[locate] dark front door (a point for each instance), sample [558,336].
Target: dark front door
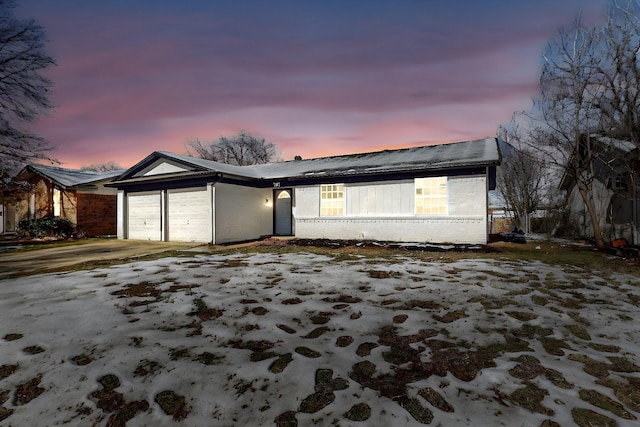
[282,215]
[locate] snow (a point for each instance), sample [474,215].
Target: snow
[77,313]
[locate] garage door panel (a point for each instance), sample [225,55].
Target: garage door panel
[144,216]
[189,216]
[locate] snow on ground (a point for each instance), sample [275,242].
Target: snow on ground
[280,339]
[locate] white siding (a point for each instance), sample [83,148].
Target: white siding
[385,211]
[380,199]
[144,218]
[189,215]
[241,213]
[161,167]
[121,211]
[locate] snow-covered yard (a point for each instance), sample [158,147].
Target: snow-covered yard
[305,339]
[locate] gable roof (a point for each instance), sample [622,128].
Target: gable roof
[66,178]
[478,153]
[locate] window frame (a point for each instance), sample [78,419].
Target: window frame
[436,204]
[327,208]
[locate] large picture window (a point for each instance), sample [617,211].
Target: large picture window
[431,196]
[332,200]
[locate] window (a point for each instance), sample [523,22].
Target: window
[332,200]
[618,183]
[57,202]
[431,196]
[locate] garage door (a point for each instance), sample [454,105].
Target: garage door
[189,216]
[144,216]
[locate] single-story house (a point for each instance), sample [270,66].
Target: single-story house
[435,193]
[616,194]
[80,196]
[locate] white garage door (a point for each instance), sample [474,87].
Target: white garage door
[189,215]
[144,216]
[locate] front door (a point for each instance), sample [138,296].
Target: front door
[282,213]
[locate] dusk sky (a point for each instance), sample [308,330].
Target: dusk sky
[315,78]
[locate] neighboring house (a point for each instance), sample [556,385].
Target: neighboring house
[77,195]
[435,193]
[616,197]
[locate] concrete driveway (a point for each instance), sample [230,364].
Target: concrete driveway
[52,258]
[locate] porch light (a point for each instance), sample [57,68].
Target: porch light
[267,203]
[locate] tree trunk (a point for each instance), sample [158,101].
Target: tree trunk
[587,198]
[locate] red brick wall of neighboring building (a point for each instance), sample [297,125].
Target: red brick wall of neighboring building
[96,214]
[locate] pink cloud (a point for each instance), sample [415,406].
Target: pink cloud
[135,79]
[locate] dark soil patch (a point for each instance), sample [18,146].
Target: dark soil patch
[530,397]
[319,320]
[604,347]
[291,301]
[6,370]
[382,274]
[287,329]
[143,289]
[207,358]
[435,399]
[255,346]
[588,418]
[108,400]
[5,413]
[554,346]
[315,402]
[109,382]
[12,337]
[126,413]
[530,368]
[248,301]
[591,366]
[172,404]
[82,359]
[259,311]
[400,318]
[579,332]
[358,412]
[232,263]
[179,353]
[425,304]
[604,402]
[259,356]
[346,299]
[286,419]
[417,411]
[344,341]
[492,304]
[33,349]
[451,316]
[281,363]
[522,316]
[326,383]
[307,352]
[146,368]
[365,348]
[203,312]
[28,391]
[627,392]
[317,332]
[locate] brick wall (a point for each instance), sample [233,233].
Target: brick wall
[96,214]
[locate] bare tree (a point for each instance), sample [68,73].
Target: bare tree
[242,149]
[619,97]
[24,91]
[523,177]
[111,165]
[571,121]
